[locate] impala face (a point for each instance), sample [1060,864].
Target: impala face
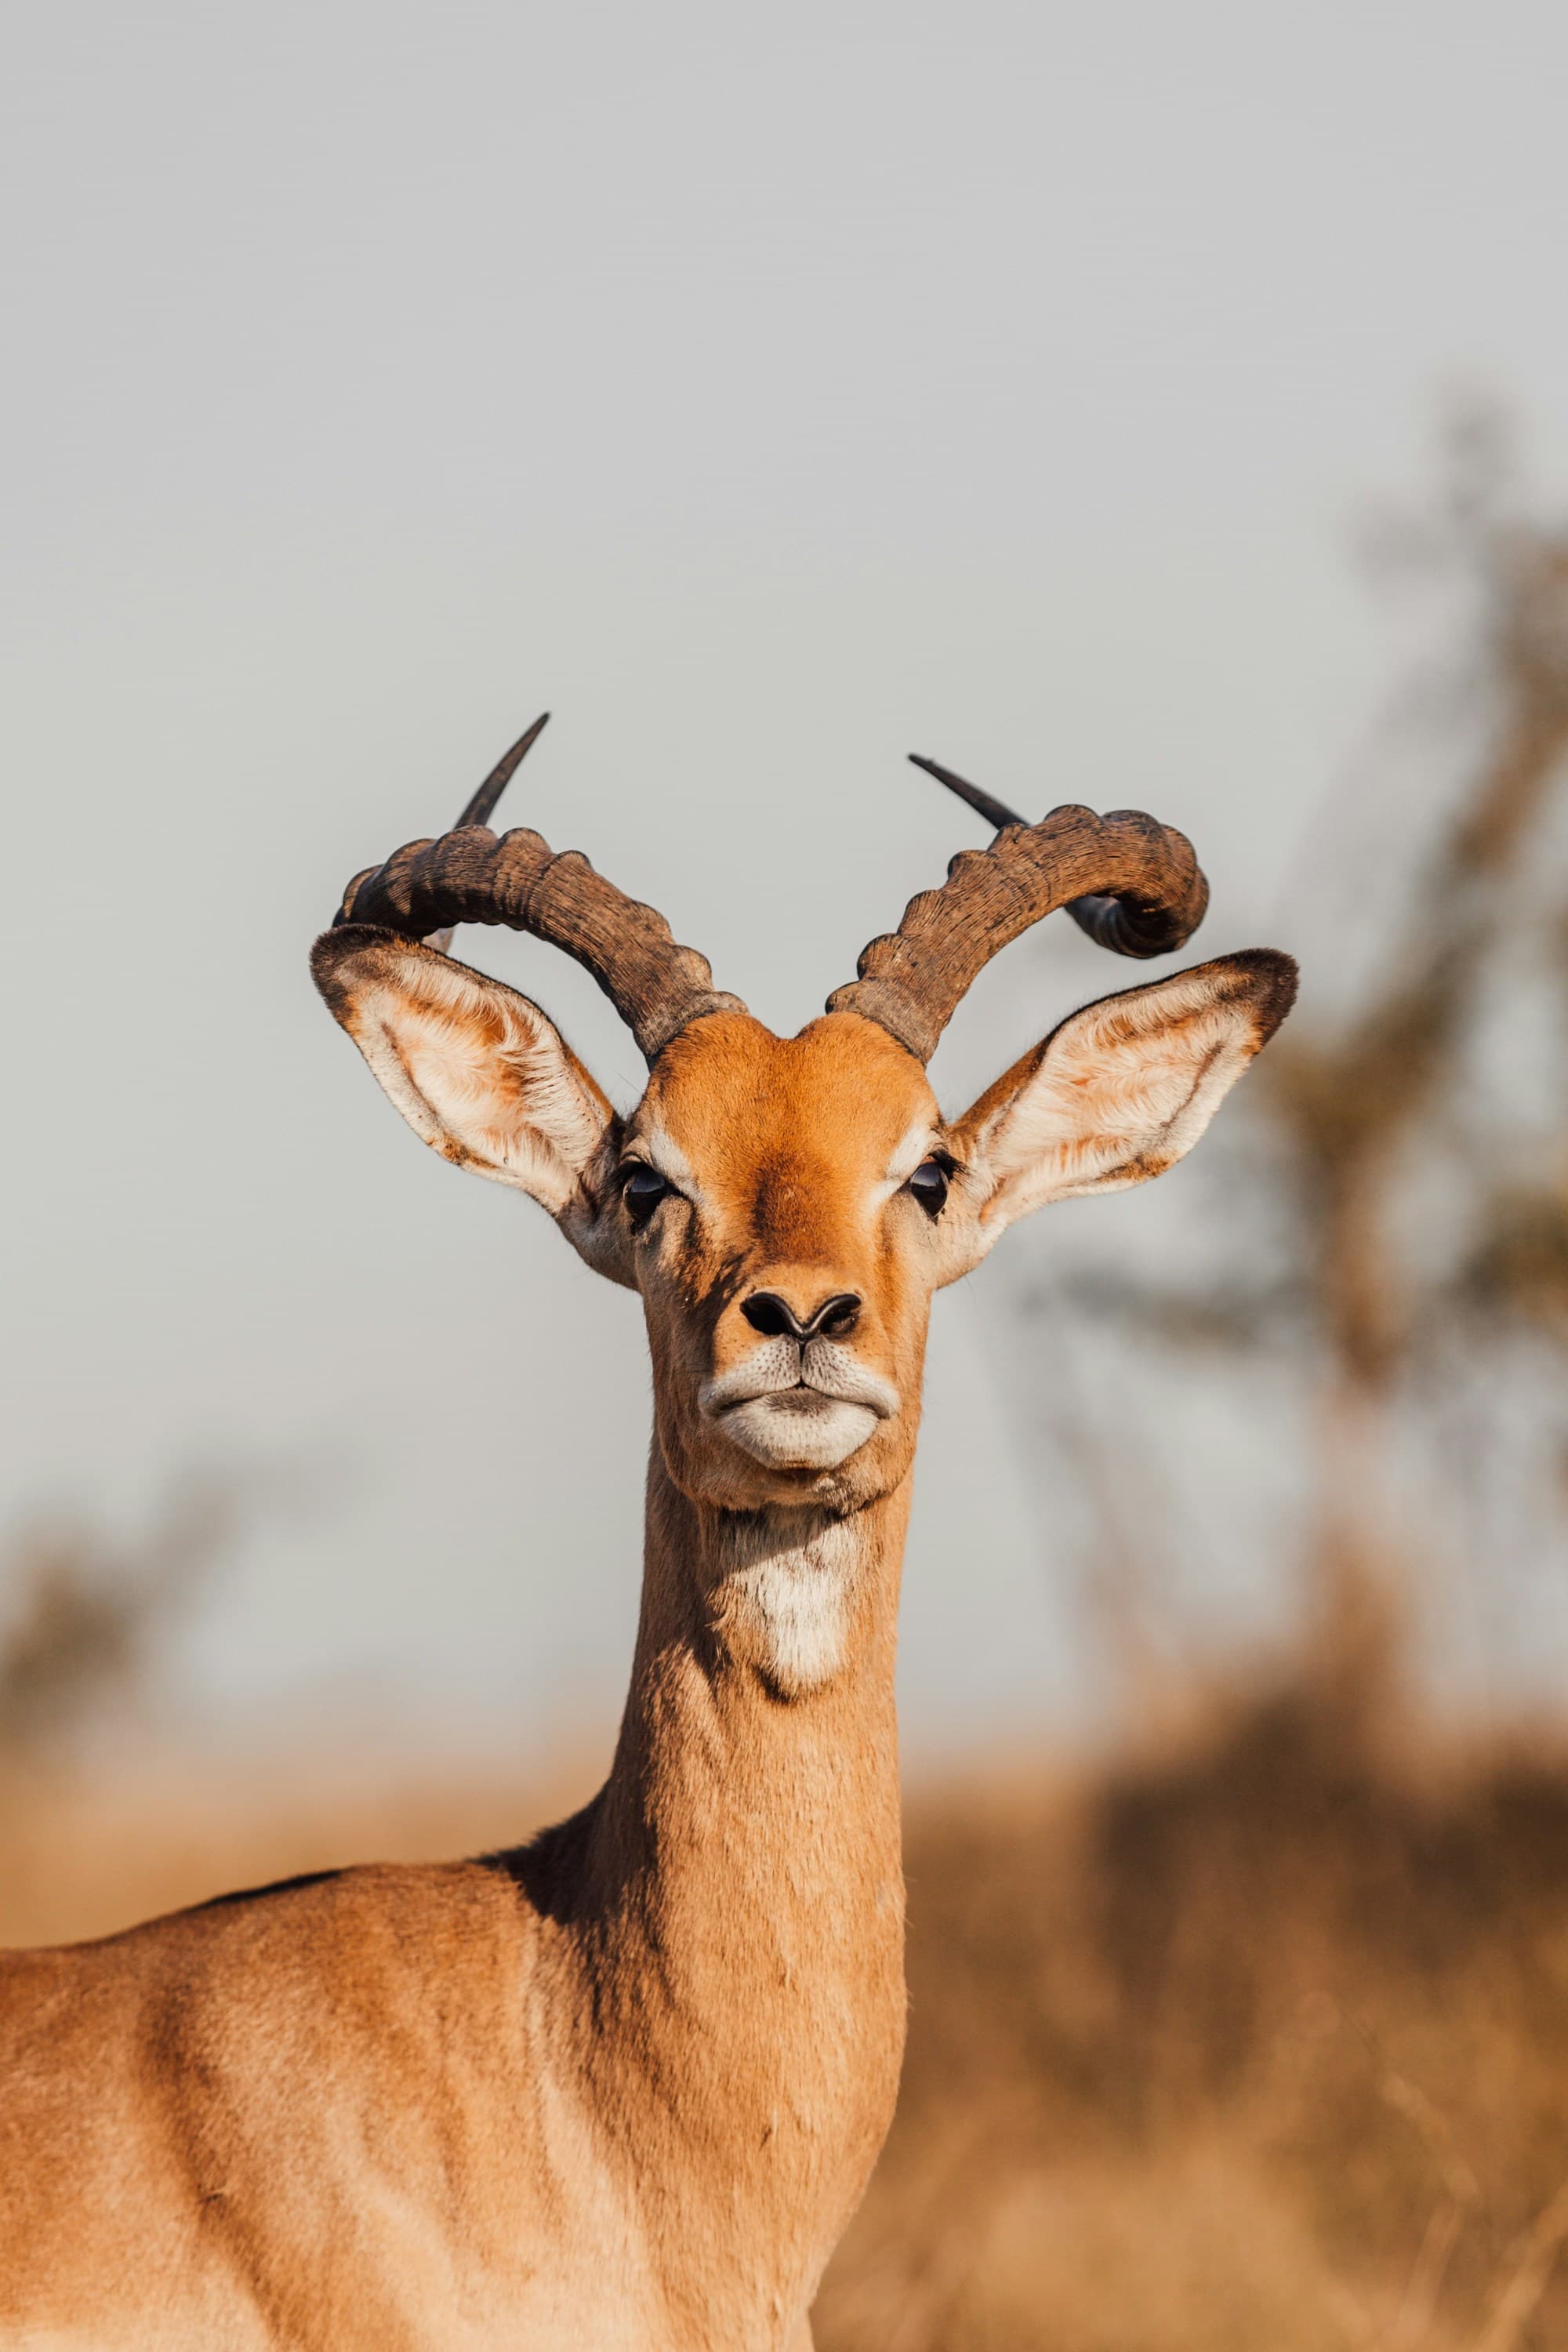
[786,1206]
[783,1203]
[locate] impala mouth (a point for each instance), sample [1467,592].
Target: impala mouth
[793,1408]
[798,1429]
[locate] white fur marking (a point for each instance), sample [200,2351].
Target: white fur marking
[791,1600]
[664,1153]
[910,1151]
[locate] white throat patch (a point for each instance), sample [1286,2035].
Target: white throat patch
[787,1603]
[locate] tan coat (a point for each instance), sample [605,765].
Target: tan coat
[619,2088]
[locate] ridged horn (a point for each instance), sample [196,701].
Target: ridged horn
[1131,883]
[469,876]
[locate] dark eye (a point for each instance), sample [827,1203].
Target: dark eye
[928,1185]
[642,1190]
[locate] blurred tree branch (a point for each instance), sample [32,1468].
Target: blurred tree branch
[1367,1115]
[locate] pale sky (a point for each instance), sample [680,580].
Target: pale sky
[768,394]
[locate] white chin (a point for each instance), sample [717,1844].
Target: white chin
[783,1435]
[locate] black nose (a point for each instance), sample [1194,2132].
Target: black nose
[775,1318]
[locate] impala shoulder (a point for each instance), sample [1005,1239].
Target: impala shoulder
[378,1964]
[399,1914]
[350,1948]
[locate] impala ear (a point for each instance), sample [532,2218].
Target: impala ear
[479,1073]
[1122,1089]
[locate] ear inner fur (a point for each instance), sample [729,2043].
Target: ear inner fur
[1124,1088]
[477,1070]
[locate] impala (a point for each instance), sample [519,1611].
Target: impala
[621,2087]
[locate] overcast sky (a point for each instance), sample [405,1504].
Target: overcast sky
[769,392]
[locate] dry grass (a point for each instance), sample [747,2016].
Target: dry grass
[1260,2044]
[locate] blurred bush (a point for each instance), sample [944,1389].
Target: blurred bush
[85,1612]
[1258,2041]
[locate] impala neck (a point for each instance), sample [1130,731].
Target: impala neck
[731,1903]
[761,1724]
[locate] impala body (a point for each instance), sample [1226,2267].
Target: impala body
[621,2087]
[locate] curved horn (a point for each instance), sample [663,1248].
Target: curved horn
[482,806]
[468,875]
[1131,883]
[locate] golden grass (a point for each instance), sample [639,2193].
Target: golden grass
[1256,2044]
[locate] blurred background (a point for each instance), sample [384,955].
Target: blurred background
[1141,406]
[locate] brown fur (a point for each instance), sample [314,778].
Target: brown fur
[621,2087]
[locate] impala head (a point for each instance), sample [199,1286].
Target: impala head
[786,1206]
